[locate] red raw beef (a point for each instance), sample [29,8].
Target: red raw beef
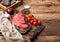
[24,26]
[18,20]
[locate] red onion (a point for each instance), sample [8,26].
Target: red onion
[10,11]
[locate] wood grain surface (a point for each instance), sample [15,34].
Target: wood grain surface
[49,12]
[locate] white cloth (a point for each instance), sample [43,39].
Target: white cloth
[5,25]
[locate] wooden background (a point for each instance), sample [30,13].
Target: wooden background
[49,12]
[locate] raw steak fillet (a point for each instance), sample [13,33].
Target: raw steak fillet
[19,21]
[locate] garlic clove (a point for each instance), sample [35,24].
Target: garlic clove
[6,15]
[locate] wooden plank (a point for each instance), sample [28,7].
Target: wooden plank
[47,16]
[51,23]
[52,28]
[48,39]
[40,2]
[41,39]
[50,20]
[42,9]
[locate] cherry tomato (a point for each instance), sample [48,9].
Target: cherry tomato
[32,18]
[31,15]
[34,23]
[39,22]
[31,21]
[35,20]
[28,18]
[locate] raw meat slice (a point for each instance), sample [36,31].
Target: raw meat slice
[23,26]
[19,21]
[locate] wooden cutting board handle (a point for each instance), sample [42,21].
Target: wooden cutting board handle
[3,7]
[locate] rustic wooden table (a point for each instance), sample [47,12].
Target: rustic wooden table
[49,12]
